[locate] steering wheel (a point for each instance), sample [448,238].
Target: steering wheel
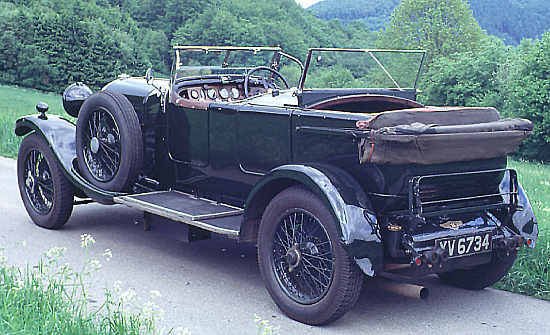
[263,81]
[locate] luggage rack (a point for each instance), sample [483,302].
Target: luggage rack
[430,208]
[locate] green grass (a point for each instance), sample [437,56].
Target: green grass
[530,275]
[52,298]
[16,102]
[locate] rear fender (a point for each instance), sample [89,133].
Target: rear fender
[60,134]
[523,220]
[343,197]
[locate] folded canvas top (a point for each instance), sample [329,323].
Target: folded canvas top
[441,135]
[441,116]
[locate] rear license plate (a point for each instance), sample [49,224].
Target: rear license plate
[466,245]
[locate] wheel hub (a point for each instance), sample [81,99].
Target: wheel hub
[94,145]
[111,138]
[293,257]
[29,181]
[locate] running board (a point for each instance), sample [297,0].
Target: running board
[186,208]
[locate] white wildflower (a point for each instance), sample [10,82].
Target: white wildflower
[155,294]
[108,254]
[264,328]
[128,296]
[18,284]
[94,265]
[86,240]
[117,286]
[152,310]
[181,331]
[55,252]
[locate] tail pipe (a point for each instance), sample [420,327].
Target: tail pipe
[406,290]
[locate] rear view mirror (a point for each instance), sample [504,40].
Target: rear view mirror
[149,75]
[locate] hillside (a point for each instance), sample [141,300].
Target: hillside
[516,19]
[48,44]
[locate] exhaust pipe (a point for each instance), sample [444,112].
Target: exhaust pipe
[406,290]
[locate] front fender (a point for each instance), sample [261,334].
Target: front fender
[60,134]
[347,202]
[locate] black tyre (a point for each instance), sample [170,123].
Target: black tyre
[46,192]
[109,141]
[306,270]
[481,276]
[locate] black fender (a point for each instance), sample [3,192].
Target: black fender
[342,195]
[60,134]
[523,221]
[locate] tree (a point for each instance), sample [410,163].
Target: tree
[528,96]
[468,78]
[442,27]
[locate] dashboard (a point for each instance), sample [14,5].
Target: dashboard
[199,96]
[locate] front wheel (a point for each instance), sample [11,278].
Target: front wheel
[481,276]
[46,192]
[306,270]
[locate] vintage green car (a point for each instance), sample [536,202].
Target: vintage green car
[333,183]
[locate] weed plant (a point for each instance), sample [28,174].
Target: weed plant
[530,274]
[52,298]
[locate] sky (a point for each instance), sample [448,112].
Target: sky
[307,3]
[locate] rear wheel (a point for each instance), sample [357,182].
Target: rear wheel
[481,276]
[306,270]
[46,192]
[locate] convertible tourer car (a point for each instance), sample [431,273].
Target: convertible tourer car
[331,166]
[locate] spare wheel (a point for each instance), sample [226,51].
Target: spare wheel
[109,143]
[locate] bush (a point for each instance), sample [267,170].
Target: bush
[528,96]
[48,48]
[467,79]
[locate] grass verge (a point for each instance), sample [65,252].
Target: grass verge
[16,102]
[53,298]
[530,274]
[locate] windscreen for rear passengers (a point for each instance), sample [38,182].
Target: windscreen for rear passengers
[363,68]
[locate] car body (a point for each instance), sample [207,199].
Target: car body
[400,190]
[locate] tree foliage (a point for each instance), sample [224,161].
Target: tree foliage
[48,44]
[442,27]
[510,20]
[470,78]
[528,95]
[374,13]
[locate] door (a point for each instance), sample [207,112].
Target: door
[263,138]
[188,135]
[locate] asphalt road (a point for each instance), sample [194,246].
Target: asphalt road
[214,286]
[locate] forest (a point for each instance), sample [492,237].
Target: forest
[510,20]
[48,44]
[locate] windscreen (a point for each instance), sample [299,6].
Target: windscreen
[204,62]
[353,68]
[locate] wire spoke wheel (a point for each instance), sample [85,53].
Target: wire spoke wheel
[306,269]
[101,145]
[38,182]
[45,191]
[303,258]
